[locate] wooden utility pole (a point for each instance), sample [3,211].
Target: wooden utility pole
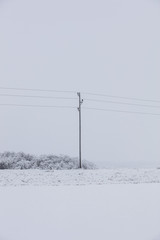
[80,130]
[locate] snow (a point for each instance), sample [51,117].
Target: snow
[21,160]
[81,212]
[78,177]
[80,204]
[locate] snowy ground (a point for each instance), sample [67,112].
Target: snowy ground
[78,177]
[82,212]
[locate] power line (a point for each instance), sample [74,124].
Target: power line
[121,103]
[36,90]
[71,107]
[31,96]
[121,111]
[86,99]
[35,106]
[121,97]
[87,93]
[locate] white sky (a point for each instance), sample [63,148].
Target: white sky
[110,47]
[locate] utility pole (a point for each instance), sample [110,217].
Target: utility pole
[80,131]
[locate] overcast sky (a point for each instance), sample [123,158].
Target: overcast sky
[107,47]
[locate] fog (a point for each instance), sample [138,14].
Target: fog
[105,47]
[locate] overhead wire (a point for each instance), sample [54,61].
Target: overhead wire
[36,90]
[73,98]
[70,98]
[34,106]
[86,93]
[121,97]
[121,111]
[121,103]
[36,96]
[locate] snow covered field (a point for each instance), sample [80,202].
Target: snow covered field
[81,211]
[78,177]
[123,212]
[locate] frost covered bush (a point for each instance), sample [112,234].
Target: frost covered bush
[12,160]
